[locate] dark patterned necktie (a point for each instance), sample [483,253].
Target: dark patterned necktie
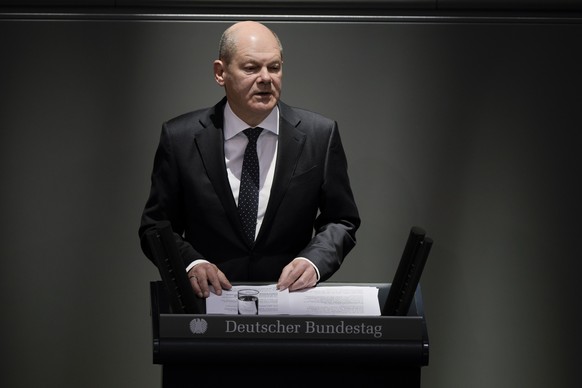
[248,196]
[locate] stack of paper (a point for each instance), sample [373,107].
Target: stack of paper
[321,300]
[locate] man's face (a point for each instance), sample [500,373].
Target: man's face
[253,78]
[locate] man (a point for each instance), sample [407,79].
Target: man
[303,183]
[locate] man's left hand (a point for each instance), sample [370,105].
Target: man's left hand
[297,275]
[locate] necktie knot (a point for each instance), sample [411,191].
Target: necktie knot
[253,134]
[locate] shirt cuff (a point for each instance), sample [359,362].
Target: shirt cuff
[194,263]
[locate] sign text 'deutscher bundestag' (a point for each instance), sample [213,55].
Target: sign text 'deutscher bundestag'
[296,327]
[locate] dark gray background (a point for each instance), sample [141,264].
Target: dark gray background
[468,129]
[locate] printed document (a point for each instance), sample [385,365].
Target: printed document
[320,300]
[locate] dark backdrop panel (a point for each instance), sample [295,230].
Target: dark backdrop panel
[469,129]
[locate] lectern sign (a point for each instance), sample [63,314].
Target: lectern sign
[297,327]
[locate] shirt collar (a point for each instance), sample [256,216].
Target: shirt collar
[233,125]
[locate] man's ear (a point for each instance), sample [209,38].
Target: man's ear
[219,68]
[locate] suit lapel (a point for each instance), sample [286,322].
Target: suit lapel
[210,144]
[291,142]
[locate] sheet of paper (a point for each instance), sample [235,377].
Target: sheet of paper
[321,300]
[337,300]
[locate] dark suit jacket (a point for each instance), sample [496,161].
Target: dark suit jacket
[311,192]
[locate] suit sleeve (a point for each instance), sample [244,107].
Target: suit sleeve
[164,201]
[338,221]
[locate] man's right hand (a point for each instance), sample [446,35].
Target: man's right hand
[204,274]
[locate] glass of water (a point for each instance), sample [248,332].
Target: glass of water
[248,301]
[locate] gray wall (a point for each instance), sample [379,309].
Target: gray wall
[470,130]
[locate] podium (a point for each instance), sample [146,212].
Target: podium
[199,350]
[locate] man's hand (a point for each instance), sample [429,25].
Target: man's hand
[203,274]
[297,275]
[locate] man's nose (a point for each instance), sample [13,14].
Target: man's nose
[265,76]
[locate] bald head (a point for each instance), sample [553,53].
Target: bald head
[244,31]
[250,69]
